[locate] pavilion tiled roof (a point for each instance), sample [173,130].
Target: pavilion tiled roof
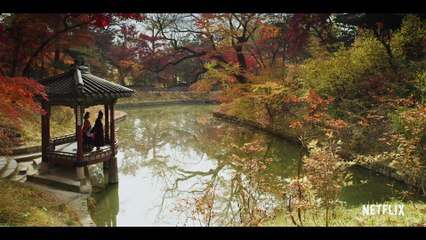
[78,83]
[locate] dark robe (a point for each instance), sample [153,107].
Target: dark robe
[99,133]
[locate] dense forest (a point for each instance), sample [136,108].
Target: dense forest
[349,88]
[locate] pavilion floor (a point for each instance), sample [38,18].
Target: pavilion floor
[72,147]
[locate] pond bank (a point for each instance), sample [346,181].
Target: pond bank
[163,103]
[256,126]
[418,182]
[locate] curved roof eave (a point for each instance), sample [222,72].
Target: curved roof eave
[78,85]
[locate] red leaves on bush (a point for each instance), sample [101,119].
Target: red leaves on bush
[314,106]
[18,99]
[149,38]
[134,16]
[102,20]
[295,124]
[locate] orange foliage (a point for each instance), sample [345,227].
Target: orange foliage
[295,124]
[315,108]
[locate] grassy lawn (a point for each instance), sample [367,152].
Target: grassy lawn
[22,205]
[414,215]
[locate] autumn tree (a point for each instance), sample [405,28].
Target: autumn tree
[17,104]
[32,45]
[121,53]
[268,45]
[219,37]
[32,37]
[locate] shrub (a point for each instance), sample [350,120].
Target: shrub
[351,73]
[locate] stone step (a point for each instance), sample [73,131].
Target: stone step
[62,178]
[22,168]
[9,169]
[33,167]
[56,182]
[19,178]
[31,171]
[27,157]
[28,168]
[26,150]
[3,163]
[37,163]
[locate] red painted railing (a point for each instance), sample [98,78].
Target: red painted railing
[70,159]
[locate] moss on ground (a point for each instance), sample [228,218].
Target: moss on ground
[22,205]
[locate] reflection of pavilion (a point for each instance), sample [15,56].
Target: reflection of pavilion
[107,207]
[79,89]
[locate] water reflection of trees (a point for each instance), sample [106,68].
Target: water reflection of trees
[194,155]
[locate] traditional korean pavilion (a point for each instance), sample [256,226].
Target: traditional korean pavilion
[79,89]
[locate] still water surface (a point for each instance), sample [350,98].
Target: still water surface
[171,157]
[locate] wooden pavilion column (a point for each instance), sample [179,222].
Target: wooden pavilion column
[45,137]
[106,110]
[107,140]
[79,111]
[113,168]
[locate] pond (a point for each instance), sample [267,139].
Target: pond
[181,166]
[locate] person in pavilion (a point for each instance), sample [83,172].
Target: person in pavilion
[98,131]
[87,135]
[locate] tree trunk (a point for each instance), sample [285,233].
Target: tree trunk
[242,62]
[42,66]
[121,78]
[387,47]
[57,54]
[15,61]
